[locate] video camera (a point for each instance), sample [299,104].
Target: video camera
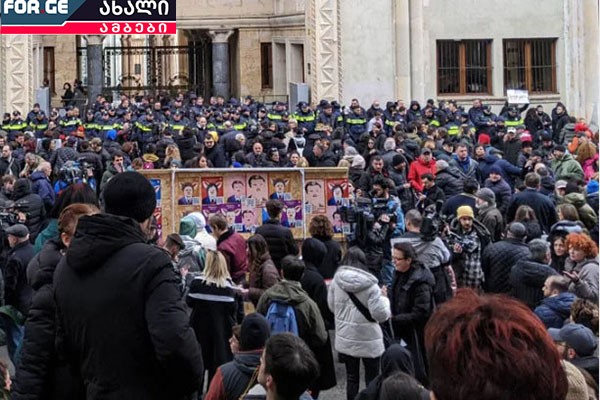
[434,222]
[362,215]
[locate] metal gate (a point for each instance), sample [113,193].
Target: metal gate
[151,70]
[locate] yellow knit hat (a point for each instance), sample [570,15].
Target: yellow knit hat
[464,211]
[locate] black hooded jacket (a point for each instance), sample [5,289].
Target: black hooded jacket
[41,373]
[31,205]
[121,320]
[395,359]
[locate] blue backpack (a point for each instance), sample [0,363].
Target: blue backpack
[282,318]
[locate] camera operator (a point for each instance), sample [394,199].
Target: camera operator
[389,223]
[431,252]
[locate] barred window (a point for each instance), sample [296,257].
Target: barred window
[530,64]
[464,67]
[266,65]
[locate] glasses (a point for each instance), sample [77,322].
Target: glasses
[399,258]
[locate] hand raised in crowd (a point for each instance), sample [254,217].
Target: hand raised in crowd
[457,248]
[573,276]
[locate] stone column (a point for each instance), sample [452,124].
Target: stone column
[94,66]
[402,89]
[220,61]
[324,33]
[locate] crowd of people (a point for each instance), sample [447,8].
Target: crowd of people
[480,245]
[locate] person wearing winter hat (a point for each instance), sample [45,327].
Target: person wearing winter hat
[472,237]
[109,264]
[488,214]
[578,345]
[232,378]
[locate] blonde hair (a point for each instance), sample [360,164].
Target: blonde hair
[172,152]
[302,163]
[344,163]
[215,269]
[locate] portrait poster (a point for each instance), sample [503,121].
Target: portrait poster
[335,216]
[188,193]
[212,190]
[292,215]
[257,189]
[208,210]
[250,219]
[234,188]
[314,192]
[337,192]
[233,213]
[279,187]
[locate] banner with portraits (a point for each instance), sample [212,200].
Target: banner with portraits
[241,196]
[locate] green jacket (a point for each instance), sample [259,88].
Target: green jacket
[586,213]
[291,292]
[567,168]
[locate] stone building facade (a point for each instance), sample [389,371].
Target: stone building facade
[388,49]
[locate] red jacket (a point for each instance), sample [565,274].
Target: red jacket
[418,168]
[233,247]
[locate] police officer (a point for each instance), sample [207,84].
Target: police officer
[146,130]
[178,122]
[328,118]
[71,121]
[305,117]
[105,124]
[39,124]
[90,126]
[356,123]
[17,124]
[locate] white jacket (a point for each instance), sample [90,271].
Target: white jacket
[354,334]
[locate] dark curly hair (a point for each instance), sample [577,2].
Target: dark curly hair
[320,226]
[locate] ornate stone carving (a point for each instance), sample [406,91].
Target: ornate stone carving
[16,72]
[324,33]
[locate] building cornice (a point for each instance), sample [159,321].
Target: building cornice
[280,21]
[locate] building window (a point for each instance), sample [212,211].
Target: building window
[464,67]
[49,67]
[266,65]
[530,64]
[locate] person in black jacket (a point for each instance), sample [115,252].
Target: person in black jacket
[432,193]
[498,258]
[448,178]
[411,299]
[395,359]
[214,152]
[279,238]
[542,206]
[121,321]
[527,276]
[17,292]
[216,307]
[40,373]
[313,251]
[321,229]
[31,206]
